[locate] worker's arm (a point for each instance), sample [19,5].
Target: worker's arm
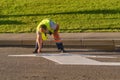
[39,41]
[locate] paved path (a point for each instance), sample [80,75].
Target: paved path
[40,68]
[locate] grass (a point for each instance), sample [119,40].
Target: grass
[22,16]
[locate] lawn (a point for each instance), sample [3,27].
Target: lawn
[23,16]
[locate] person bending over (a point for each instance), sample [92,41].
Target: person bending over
[47,26]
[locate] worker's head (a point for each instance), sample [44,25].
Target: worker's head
[43,27]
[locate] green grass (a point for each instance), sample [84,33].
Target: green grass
[22,16]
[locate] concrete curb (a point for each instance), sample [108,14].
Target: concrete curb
[101,41]
[100,44]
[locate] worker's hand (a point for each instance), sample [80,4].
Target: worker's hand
[39,50]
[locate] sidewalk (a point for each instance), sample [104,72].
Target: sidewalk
[69,39]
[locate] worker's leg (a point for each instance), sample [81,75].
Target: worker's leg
[58,41]
[36,48]
[36,45]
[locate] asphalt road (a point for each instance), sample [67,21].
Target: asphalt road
[39,68]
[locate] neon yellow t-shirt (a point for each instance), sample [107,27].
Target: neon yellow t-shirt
[46,22]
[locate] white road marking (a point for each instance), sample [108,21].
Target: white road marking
[40,55]
[26,55]
[97,56]
[71,59]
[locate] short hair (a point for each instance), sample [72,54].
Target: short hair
[43,26]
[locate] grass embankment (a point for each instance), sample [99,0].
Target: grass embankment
[72,15]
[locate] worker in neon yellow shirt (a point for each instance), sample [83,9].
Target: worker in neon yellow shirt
[47,26]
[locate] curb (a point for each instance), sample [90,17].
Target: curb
[100,44]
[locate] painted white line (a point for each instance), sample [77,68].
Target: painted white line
[93,56]
[40,55]
[110,63]
[78,60]
[71,59]
[26,55]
